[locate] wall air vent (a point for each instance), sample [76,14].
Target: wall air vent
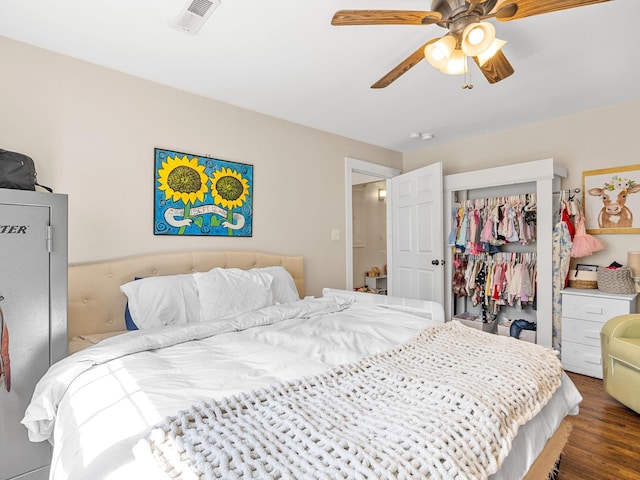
[193,15]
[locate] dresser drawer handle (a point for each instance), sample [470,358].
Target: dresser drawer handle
[593,309]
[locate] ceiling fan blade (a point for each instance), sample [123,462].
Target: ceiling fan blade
[496,68]
[505,11]
[403,66]
[385,17]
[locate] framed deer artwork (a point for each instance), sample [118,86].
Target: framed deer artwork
[612,199]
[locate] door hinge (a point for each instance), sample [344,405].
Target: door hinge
[49,238]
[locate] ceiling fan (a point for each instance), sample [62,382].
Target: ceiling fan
[468,35]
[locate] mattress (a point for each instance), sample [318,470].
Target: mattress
[97,406]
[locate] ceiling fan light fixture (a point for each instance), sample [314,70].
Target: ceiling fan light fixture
[439,52]
[456,64]
[477,37]
[494,48]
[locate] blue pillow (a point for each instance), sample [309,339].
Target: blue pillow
[128,321]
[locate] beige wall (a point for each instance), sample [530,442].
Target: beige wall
[92,132]
[591,140]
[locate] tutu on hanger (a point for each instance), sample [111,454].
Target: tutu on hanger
[584,244]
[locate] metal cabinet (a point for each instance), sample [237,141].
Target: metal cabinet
[33,288]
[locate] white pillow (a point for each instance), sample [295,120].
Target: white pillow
[225,292]
[163,300]
[283,287]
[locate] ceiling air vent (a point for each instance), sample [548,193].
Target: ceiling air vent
[193,15]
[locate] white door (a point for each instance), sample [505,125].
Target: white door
[415,234]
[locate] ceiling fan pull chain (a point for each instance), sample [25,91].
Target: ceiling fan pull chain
[467,85]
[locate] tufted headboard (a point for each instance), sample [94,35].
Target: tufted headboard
[96,304]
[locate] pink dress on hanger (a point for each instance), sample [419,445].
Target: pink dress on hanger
[584,244]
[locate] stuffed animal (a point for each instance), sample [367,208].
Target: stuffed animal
[365,289]
[374,272]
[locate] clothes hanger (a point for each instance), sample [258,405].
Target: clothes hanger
[531,203]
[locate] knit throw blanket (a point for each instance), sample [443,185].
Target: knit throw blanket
[445,405]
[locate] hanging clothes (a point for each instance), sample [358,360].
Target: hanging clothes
[561,259]
[486,235]
[458,284]
[481,224]
[463,231]
[494,280]
[567,220]
[487,276]
[584,244]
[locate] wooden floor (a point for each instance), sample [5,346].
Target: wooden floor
[605,442]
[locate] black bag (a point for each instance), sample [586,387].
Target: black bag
[18,171]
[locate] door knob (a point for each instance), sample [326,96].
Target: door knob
[435,262]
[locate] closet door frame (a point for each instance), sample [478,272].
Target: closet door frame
[547,178]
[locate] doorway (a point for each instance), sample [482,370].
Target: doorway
[359,172]
[369,221]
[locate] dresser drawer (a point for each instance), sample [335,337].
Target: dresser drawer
[593,308]
[583,359]
[581,331]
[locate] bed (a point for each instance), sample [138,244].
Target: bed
[267,383]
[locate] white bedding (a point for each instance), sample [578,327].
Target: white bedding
[97,405]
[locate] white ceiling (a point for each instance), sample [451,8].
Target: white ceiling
[285,59]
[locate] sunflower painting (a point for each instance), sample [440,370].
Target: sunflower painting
[202,196]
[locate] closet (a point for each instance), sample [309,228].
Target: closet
[33,303]
[534,185]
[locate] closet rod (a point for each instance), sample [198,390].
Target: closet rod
[575,190]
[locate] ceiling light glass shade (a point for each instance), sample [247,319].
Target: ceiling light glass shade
[477,37]
[437,53]
[456,65]
[494,48]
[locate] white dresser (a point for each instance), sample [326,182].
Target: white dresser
[583,314]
